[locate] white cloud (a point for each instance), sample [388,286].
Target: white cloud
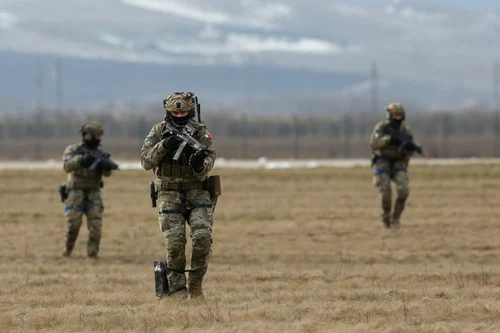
[246,44]
[209,32]
[411,13]
[7,20]
[207,49]
[110,39]
[270,12]
[390,9]
[253,14]
[252,43]
[486,22]
[177,8]
[114,40]
[492,18]
[350,10]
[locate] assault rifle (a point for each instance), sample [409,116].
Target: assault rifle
[405,139]
[101,160]
[186,135]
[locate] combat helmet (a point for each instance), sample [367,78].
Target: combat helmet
[179,102]
[395,108]
[92,127]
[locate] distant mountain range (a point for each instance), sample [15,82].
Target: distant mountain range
[287,56]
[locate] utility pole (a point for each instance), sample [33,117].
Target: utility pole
[445,135]
[296,143]
[374,81]
[59,85]
[244,137]
[38,109]
[496,116]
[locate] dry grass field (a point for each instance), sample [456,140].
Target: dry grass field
[294,251]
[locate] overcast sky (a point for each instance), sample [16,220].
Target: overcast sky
[471,4]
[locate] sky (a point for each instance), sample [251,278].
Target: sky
[420,42]
[469,4]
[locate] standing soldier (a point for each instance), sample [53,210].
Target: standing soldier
[392,146]
[181,166]
[85,164]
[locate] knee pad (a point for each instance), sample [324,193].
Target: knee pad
[202,237]
[403,193]
[202,243]
[176,245]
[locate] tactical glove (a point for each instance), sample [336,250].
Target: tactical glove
[410,146]
[413,147]
[87,160]
[196,161]
[172,143]
[395,140]
[405,137]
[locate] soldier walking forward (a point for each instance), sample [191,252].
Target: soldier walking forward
[181,169]
[392,146]
[85,164]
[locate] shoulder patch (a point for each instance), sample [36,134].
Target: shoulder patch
[206,138]
[148,143]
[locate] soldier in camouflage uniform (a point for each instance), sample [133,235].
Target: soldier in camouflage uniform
[181,194]
[84,190]
[392,146]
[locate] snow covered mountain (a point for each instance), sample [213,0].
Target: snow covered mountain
[414,43]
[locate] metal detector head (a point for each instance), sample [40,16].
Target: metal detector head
[161,282]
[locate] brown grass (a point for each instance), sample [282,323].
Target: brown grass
[294,251]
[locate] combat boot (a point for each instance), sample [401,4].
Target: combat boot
[180,293]
[386,214]
[195,290]
[66,253]
[194,285]
[399,206]
[387,222]
[92,255]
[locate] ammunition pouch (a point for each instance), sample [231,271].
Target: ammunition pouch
[213,186]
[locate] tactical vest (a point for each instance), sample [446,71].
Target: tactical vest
[84,178]
[180,168]
[391,151]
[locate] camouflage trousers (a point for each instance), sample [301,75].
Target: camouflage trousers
[385,172]
[175,209]
[78,203]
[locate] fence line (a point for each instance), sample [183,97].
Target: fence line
[297,136]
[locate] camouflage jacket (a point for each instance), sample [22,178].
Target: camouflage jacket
[155,157]
[381,145]
[78,176]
